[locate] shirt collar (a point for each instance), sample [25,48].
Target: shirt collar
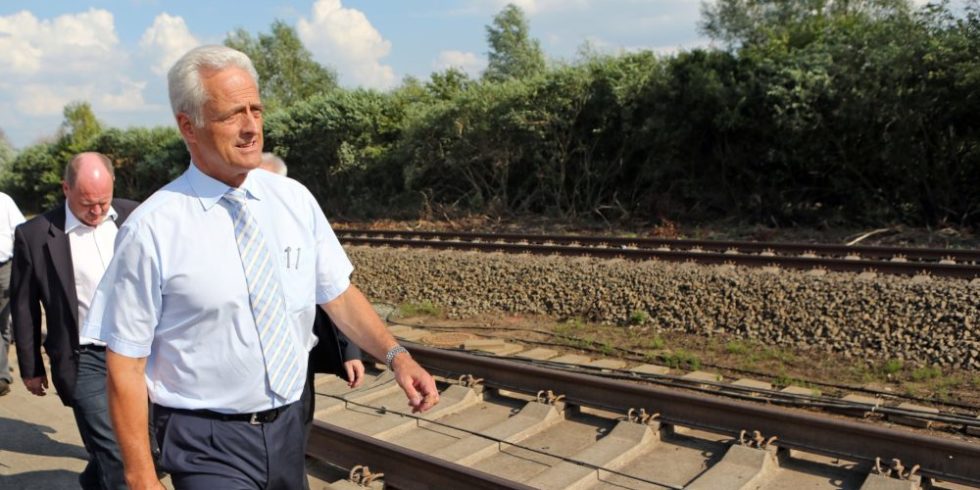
[209,190]
[72,221]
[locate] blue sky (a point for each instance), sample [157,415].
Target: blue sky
[114,53]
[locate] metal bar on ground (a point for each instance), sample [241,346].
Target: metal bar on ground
[963,271]
[940,458]
[881,252]
[403,468]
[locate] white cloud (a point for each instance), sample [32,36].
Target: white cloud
[39,99]
[49,62]
[345,39]
[128,98]
[468,62]
[49,99]
[70,43]
[165,41]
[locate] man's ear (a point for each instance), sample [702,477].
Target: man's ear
[186,127]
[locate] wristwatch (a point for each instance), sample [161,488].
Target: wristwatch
[394,351]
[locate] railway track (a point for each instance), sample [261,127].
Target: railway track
[503,424]
[955,263]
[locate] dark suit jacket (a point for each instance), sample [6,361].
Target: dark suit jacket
[333,349]
[43,274]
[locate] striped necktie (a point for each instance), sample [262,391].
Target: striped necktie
[265,297]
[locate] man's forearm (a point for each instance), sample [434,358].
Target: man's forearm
[128,408]
[356,318]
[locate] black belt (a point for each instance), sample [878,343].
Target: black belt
[254,418]
[93,347]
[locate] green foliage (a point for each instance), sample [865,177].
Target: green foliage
[424,308]
[736,347]
[287,71]
[513,53]
[746,22]
[682,359]
[639,317]
[338,145]
[892,366]
[655,343]
[145,159]
[7,152]
[926,373]
[818,112]
[33,179]
[79,128]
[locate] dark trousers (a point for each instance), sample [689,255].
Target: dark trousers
[203,453]
[91,409]
[5,322]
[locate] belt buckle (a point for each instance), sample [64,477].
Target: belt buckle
[254,419]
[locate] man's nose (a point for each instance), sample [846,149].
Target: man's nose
[251,125]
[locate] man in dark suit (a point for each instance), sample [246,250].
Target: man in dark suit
[334,354]
[59,258]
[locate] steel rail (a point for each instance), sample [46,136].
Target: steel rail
[403,468]
[962,271]
[944,459]
[879,252]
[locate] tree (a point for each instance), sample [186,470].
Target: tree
[513,53]
[744,22]
[7,152]
[80,126]
[287,71]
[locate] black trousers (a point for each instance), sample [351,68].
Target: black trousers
[204,453]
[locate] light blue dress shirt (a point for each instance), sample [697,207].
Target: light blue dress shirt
[175,290]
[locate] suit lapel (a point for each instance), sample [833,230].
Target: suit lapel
[59,253]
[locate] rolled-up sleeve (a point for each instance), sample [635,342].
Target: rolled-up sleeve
[126,307]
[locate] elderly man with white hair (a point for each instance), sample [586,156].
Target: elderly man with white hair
[208,303]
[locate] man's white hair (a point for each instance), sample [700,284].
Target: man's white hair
[187,92]
[273,163]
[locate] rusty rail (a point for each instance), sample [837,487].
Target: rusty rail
[741,246]
[939,458]
[403,468]
[962,271]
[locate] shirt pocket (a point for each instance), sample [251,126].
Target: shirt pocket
[297,267]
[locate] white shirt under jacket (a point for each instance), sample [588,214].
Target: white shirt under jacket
[91,250]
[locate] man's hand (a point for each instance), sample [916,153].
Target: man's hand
[151,484]
[416,382]
[355,372]
[37,385]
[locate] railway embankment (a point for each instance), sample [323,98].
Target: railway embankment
[919,319]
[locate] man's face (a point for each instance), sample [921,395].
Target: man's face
[89,200]
[230,142]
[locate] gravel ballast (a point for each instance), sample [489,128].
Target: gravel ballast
[924,320]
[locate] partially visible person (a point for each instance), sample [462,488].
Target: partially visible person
[208,302]
[334,353]
[59,259]
[10,217]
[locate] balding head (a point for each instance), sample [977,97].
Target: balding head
[88,187]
